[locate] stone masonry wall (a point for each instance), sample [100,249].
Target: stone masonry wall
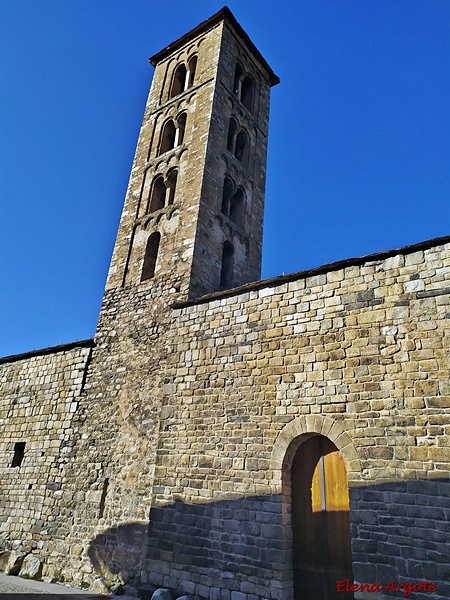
[357,353]
[112,473]
[39,400]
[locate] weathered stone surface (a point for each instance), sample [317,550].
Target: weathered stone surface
[31,567]
[10,562]
[99,587]
[162,594]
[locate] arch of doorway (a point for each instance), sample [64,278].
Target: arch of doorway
[297,431]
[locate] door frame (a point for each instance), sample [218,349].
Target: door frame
[289,439]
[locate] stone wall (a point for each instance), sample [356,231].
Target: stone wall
[39,403]
[117,444]
[356,352]
[166,456]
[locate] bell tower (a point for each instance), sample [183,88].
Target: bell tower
[191,225]
[193,214]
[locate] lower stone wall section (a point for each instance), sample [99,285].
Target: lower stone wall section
[39,400]
[400,534]
[175,467]
[212,549]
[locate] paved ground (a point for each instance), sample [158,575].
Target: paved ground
[15,588]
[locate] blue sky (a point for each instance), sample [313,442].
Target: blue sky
[359,150]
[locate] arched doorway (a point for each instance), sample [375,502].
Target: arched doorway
[320,521]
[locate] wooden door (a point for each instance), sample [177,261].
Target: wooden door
[321,521]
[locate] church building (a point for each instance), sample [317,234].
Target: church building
[222,436]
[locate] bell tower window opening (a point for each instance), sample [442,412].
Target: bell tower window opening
[246,95]
[238,141]
[233,202]
[167,137]
[226,275]
[178,81]
[242,144]
[183,78]
[151,254]
[171,184]
[228,188]
[158,194]
[237,203]
[172,134]
[19,453]
[238,75]
[243,87]
[232,129]
[192,68]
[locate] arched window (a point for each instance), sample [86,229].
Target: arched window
[246,95]
[192,67]
[158,194]
[171,184]
[178,81]
[242,144]
[232,128]
[181,125]
[172,134]
[226,275]
[228,188]
[238,75]
[237,202]
[183,78]
[151,254]
[167,137]
[238,144]
[243,87]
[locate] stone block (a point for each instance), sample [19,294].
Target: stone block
[385,573]
[98,586]
[11,562]
[161,594]
[31,567]
[427,387]
[438,402]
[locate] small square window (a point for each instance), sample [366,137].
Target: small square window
[19,451]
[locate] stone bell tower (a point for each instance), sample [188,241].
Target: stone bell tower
[193,215]
[191,225]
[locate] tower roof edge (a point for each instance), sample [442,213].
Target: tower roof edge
[224,14]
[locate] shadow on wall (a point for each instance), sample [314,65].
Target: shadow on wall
[400,533]
[116,554]
[228,541]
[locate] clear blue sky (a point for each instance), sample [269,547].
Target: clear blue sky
[359,151]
